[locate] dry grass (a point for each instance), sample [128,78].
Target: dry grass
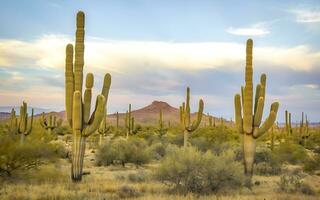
[105,183]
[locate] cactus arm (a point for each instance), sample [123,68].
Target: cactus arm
[259,112]
[96,117]
[79,53]
[106,86]
[31,123]
[87,98]
[258,88]
[268,122]
[238,115]
[69,82]
[197,122]
[248,90]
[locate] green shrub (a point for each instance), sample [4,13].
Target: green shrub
[157,150]
[289,153]
[137,177]
[125,192]
[292,183]
[190,170]
[312,164]
[133,150]
[15,156]
[265,168]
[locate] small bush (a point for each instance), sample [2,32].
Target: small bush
[312,164]
[134,150]
[265,168]
[189,170]
[126,191]
[139,176]
[289,153]
[29,155]
[157,150]
[292,183]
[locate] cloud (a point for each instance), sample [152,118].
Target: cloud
[131,56]
[254,30]
[306,15]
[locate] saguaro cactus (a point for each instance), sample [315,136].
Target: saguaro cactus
[288,123]
[23,128]
[187,124]
[78,108]
[162,130]
[129,122]
[103,129]
[248,116]
[50,123]
[117,120]
[13,123]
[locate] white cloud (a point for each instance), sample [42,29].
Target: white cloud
[130,56]
[254,30]
[306,15]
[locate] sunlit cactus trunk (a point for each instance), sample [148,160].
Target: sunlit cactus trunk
[185,118]
[248,114]
[78,104]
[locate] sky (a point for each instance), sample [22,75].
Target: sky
[154,49]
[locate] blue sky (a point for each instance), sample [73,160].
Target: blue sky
[154,49]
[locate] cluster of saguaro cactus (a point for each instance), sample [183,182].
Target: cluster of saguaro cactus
[21,126]
[288,123]
[162,130]
[103,129]
[185,118]
[129,122]
[78,108]
[248,116]
[50,122]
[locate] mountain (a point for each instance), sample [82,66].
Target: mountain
[7,109]
[149,115]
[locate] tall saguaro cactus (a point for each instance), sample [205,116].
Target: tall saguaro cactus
[24,129]
[248,115]
[162,130]
[288,123]
[185,117]
[129,122]
[78,107]
[50,123]
[21,127]
[117,120]
[13,123]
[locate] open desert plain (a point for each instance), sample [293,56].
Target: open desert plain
[168,100]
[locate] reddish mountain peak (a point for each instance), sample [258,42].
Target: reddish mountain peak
[155,107]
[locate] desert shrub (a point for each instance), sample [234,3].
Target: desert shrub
[59,148]
[138,151]
[312,164]
[266,168]
[29,155]
[292,183]
[289,153]
[190,170]
[126,191]
[133,150]
[139,176]
[157,150]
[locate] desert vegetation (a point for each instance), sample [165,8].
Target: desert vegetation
[182,155]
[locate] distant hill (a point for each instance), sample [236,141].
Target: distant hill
[7,109]
[148,115]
